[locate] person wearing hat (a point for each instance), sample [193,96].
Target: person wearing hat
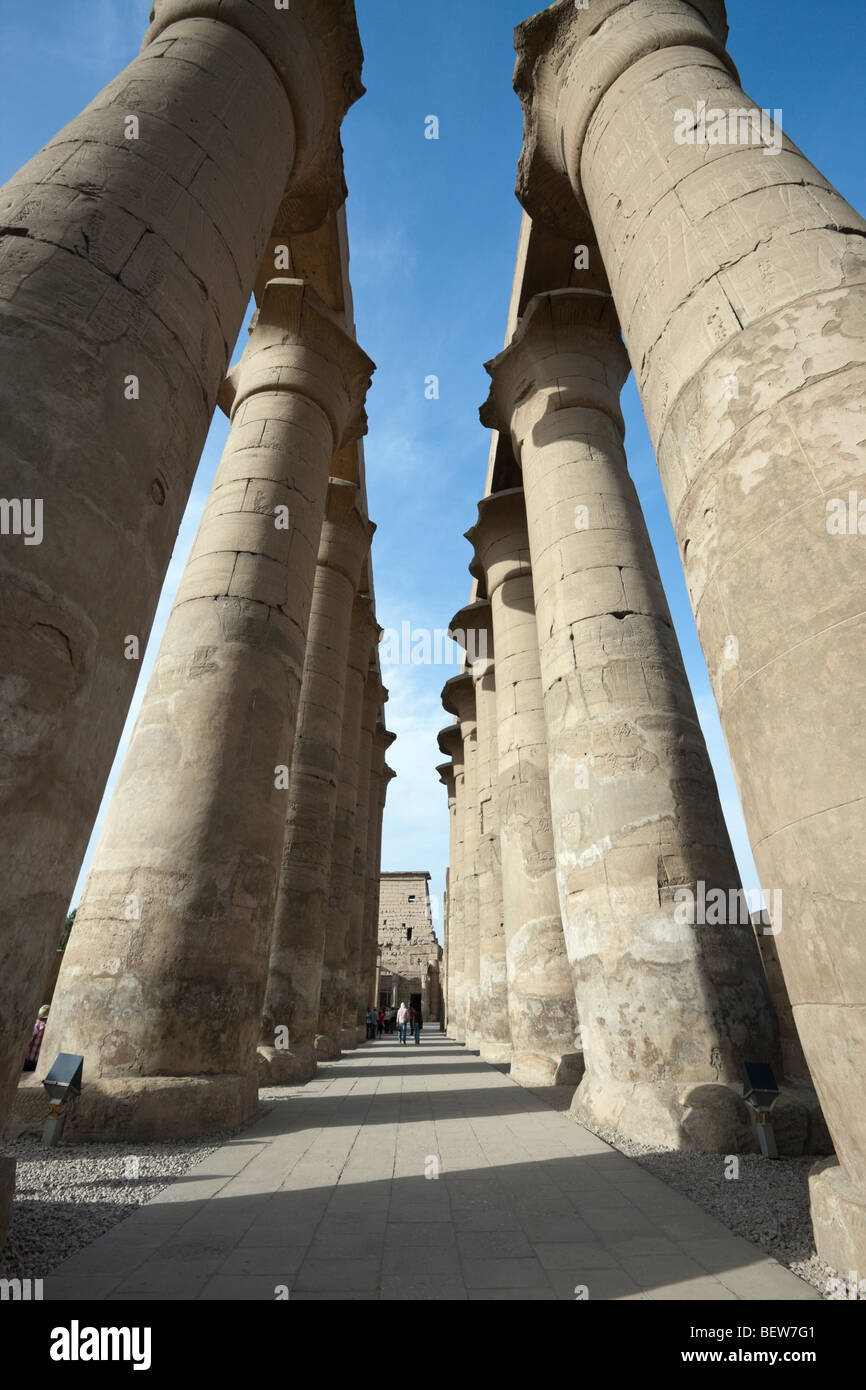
[36,1040]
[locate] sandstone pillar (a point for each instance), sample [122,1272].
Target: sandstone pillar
[458,698]
[451,744]
[380,776]
[353,1016]
[335,966]
[472,627]
[287,1051]
[540,989]
[671,1006]
[129,247]
[739,277]
[164,976]
[446,777]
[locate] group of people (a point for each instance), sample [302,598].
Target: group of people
[381,1021]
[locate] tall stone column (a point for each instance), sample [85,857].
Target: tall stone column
[739,276]
[450,742]
[380,776]
[458,698]
[472,627]
[447,778]
[129,247]
[541,1002]
[671,1008]
[331,1036]
[354,1028]
[163,979]
[298,942]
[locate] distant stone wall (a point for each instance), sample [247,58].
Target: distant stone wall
[404,907]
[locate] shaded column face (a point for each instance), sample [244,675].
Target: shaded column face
[353,1016]
[739,278]
[166,973]
[380,775]
[671,1004]
[335,967]
[451,744]
[128,251]
[472,627]
[458,698]
[290,1016]
[446,777]
[540,989]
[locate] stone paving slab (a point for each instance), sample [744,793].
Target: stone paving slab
[419,1173]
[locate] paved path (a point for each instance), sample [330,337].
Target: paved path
[326,1196]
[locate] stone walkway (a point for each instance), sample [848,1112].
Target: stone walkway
[327,1196]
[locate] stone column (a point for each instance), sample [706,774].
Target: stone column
[298,942]
[164,976]
[331,1036]
[472,627]
[739,276]
[671,1006]
[353,1016]
[451,744]
[540,989]
[129,246]
[458,698]
[447,778]
[380,776]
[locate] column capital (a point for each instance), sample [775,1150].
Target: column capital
[458,698]
[297,342]
[567,342]
[450,741]
[500,538]
[472,629]
[567,60]
[446,777]
[346,534]
[316,52]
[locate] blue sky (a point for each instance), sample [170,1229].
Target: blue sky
[433,232]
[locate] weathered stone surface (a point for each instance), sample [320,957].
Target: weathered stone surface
[7,1193]
[165,971]
[473,628]
[407,940]
[332,1036]
[739,276]
[298,942]
[380,776]
[458,698]
[355,1009]
[838,1217]
[664,998]
[127,257]
[540,988]
[451,744]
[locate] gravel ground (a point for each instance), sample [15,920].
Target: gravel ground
[65,1198]
[768,1203]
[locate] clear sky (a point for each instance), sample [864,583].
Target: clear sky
[433,230]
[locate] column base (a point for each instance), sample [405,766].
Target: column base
[349,1039]
[290,1067]
[494,1052]
[838,1218]
[542,1069]
[7,1194]
[327,1047]
[691,1117]
[144,1107]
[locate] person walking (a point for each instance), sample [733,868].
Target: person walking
[381,1022]
[402,1020]
[36,1040]
[371,1024]
[417,1024]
